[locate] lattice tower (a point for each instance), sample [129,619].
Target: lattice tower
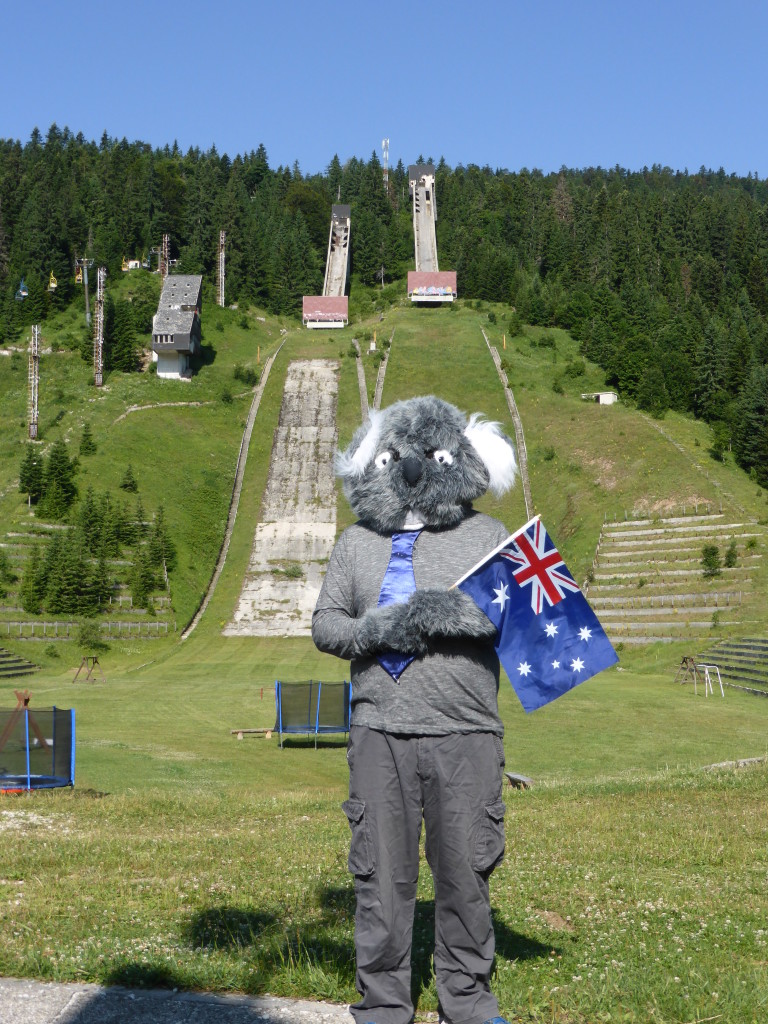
[98,332]
[165,256]
[34,379]
[222,259]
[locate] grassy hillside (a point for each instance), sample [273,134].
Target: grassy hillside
[219,864]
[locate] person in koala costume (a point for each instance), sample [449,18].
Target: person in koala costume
[425,738]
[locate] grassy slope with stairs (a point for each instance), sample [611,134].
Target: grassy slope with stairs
[620,813]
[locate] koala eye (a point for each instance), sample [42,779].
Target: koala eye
[382,459]
[443,456]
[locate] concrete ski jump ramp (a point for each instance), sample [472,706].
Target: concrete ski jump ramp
[427,283]
[331,309]
[297,531]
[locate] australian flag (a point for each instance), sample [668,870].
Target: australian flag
[549,639]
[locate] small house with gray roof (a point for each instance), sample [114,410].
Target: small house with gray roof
[176,325]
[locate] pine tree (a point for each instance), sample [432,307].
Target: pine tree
[31,474]
[59,488]
[124,348]
[87,443]
[128,483]
[88,520]
[32,586]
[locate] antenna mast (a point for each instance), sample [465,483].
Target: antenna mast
[222,258]
[84,264]
[385,161]
[34,379]
[98,334]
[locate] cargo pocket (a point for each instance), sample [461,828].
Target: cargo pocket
[360,861]
[489,841]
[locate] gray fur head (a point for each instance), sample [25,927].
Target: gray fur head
[423,460]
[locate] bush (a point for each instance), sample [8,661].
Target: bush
[731,555]
[226,396]
[710,561]
[246,374]
[575,368]
[89,636]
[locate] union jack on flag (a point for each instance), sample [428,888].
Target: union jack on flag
[549,639]
[539,565]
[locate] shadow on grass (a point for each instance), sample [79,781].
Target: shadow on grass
[305,742]
[206,357]
[272,948]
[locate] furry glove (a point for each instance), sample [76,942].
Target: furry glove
[387,629]
[447,613]
[429,614]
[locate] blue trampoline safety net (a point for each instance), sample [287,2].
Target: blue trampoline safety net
[312,707]
[37,748]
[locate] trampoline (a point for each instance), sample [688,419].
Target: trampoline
[312,708]
[37,749]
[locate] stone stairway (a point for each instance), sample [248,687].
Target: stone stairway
[742,663]
[647,582]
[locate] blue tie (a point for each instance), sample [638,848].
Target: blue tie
[396,587]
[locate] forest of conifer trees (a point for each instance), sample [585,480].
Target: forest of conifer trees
[661,275]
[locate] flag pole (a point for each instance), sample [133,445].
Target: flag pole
[496,550]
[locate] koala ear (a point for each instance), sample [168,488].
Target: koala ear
[362,449]
[496,451]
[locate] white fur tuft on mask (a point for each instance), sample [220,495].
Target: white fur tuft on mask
[347,465]
[495,450]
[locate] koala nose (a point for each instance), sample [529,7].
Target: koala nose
[412,469]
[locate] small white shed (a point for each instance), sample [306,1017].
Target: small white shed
[601,397]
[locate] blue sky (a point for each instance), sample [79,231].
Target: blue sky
[506,84]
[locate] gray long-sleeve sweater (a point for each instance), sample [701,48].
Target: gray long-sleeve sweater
[454,687]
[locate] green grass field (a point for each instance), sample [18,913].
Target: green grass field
[634,884]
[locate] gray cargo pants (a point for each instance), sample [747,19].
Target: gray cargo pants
[454,782]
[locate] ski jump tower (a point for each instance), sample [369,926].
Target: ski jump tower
[331,309]
[427,283]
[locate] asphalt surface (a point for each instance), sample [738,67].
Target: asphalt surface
[34,1002]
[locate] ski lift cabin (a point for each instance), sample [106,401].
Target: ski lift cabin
[52,283]
[22,291]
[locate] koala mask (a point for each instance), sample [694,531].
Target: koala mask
[423,462]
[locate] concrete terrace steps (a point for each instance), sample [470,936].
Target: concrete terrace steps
[647,583]
[742,663]
[11,665]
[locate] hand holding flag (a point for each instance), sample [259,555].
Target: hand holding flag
[549,639]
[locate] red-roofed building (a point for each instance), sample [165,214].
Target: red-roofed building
[325,311]
[432,285]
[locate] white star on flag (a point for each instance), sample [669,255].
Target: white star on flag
[585,633]
[502,596]
[523,668]
[551,629]
[555,664]
[577,664]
